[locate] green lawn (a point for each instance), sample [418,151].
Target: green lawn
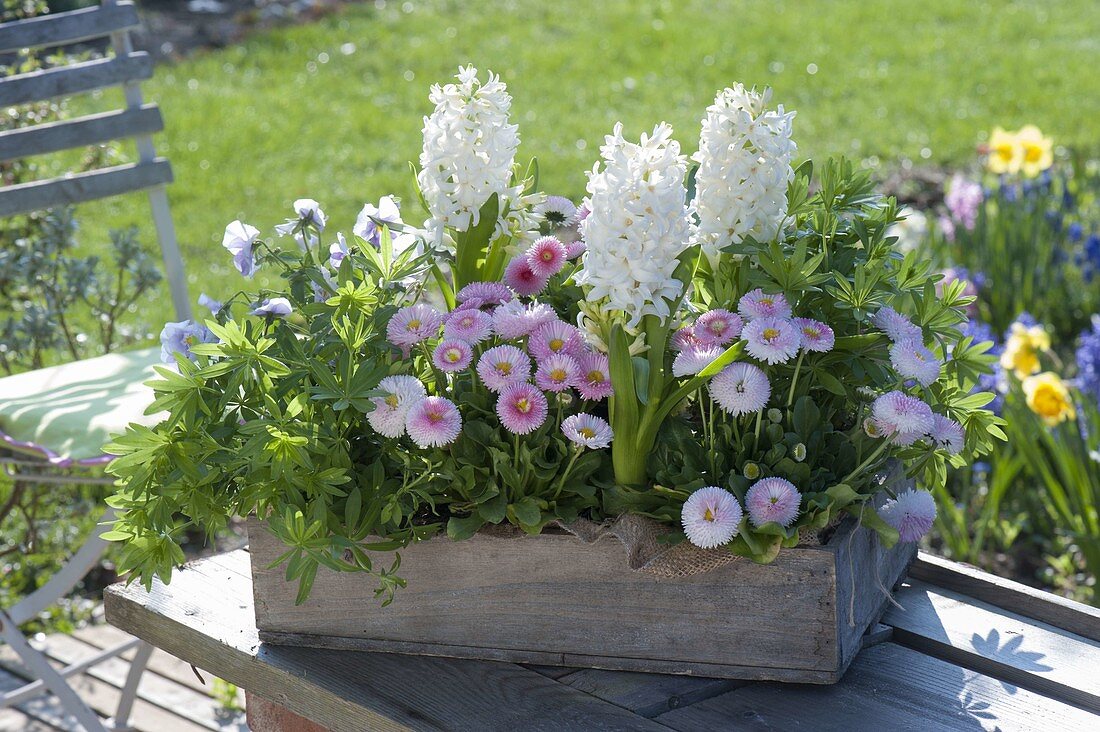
[333,110]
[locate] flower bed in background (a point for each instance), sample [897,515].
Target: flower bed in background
[1024,240]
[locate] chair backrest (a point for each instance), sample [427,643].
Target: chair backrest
[128,68]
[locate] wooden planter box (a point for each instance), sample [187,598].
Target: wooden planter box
[552,599]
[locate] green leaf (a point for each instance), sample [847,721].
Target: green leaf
[526,511]
[459,528]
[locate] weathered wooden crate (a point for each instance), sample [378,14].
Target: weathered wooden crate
[552,599]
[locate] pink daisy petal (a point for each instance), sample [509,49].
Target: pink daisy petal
[717,327]
[593,380]
[772,499]
[452,355]
[557,373]
[472,326]
[522,279]
[711,517]
[546,257]
[522,408]
[741,388]
[503,366]
[758,304]
[773,340]
[911,513]
[433,422]
[587,430]
[816,336]
[556,336]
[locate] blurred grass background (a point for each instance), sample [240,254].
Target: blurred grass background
[332,110]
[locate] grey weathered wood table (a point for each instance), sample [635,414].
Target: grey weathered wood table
[965,650]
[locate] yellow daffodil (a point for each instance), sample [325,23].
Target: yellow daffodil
[1049,398]
[1022,349]
[1005,152]
[1038,154]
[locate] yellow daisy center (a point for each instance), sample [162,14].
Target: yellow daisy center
[708,515]
[453,355]
[523,405]
[586,432]
[595,377]
[413,325]
[556,344]
[558,375]
[770,334]
[392,401]
[504,367]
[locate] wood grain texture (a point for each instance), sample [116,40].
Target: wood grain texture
[81,187]
[888,687]
[1073,616]
[77,133]
[1021,651]
[63,81]
[60,28]
[554,600]
[206,618]
[647,694]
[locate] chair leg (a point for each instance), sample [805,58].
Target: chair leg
[41,668]
[121,721]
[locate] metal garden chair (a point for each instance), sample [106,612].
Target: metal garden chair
[54,421]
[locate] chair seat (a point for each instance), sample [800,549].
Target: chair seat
[67,413]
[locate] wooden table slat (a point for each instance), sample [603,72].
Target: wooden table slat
[1004,593]
[997,642]
[888,687]
[647,694]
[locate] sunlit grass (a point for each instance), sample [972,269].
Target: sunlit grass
[333,110]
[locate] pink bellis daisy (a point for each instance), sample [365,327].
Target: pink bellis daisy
[401,393]
[911,513]
[691,361]
[816,336]
[741,388]
[557,373]
[772,499]
[912,360]
[413,324]
[522,408]
[773,340]
[587,430]
[522,279]
[947,434]
[433,422]
[486,293]
[472,326]
[575,249]
[758,304]
[546,257]
[503,366]
[513,320]
[711,517]
[717,327]
[557,336]
[593,380]
[452,355]
[684,339]
[904,417]
[896,326]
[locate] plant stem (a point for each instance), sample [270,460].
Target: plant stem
[870,459]
[794,379]
[568,469]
